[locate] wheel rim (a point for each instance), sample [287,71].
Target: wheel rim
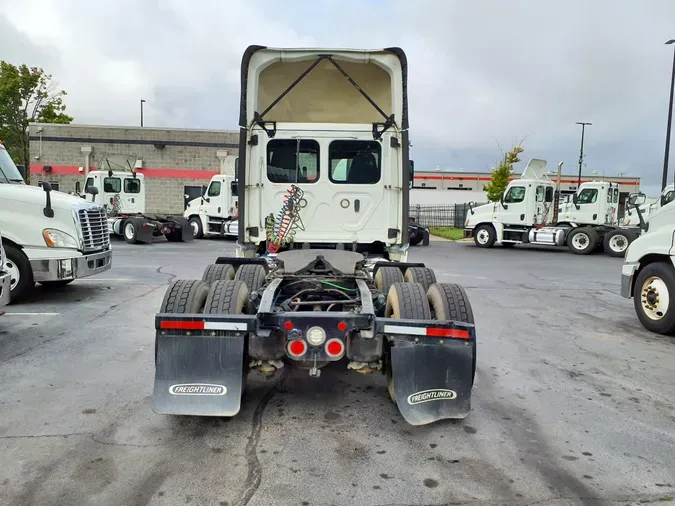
[580,241]
[482,236]
[195,227]
[654,298]
[618,243]
[129,230]
[14,274]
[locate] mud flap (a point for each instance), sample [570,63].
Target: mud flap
[198,374]
[432,381]
[144,231]
[187,234]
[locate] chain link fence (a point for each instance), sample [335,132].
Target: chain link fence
[448,215]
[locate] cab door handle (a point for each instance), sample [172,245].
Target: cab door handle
[357,205]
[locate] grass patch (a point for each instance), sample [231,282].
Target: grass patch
[447,232]
[666,499]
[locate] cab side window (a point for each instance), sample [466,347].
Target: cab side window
[549,194]
[89,184]
[112,185]
[214,189]
[514,195]
[588,196]
[132,185]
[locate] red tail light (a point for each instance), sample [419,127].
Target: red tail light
[296,347]
[335,348]
[342,326]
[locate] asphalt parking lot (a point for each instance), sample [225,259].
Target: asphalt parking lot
[573,401]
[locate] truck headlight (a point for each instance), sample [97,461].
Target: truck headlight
[58,239]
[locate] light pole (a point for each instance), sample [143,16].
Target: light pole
[664,179]
[581,152]
[142,102]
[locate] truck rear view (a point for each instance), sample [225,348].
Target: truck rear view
[321,274]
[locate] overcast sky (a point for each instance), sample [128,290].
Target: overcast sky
[481,71]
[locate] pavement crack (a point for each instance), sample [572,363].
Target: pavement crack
[254,476]
[171,275]
[39,436]
[112,443]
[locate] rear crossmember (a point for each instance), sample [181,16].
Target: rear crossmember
[389,327]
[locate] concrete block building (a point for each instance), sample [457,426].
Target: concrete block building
[176,163]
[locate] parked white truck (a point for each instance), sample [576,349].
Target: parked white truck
[122,193]
[648,272]
[215,212]
[528,214]
[48,236]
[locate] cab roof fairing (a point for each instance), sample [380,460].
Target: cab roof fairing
[257,58]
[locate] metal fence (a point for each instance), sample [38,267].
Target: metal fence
[449,215]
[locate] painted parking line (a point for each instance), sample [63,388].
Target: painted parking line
[108,280]
[7,313]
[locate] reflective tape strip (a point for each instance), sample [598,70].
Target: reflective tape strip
[429,332]
[201,325]
[225,326]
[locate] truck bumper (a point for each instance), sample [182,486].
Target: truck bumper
[5,286]
[468,233]
[71,268]
[627,274]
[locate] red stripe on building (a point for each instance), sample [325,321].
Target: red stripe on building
[73,170]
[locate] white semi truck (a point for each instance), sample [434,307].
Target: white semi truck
[321,271]
[123,194]
[528,213]
[48,237]
[215,212]
[648,272]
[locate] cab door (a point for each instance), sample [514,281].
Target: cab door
[513,207]
[132,195]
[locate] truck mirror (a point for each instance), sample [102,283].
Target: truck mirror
[637,199]
[234,188]
[92,190]
[575,198]
[78,187]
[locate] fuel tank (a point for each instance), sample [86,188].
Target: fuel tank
[548,235]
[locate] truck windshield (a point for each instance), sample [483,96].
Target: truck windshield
[9,174]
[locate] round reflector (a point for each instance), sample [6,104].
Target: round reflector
[288,325]
[342,326]
[297,347]
[334,347]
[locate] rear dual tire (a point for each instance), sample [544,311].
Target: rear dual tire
[441,301]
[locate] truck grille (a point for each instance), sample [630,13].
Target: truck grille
[94,224]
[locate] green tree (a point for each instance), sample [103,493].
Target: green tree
[502,173]
[27,95]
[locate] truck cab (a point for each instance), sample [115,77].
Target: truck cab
[49,237]
[120,192]
[335,176]
[212,214]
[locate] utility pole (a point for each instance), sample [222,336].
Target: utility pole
[664,179]
[581,152]
[142,102]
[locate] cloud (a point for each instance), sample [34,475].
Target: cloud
[481,72]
